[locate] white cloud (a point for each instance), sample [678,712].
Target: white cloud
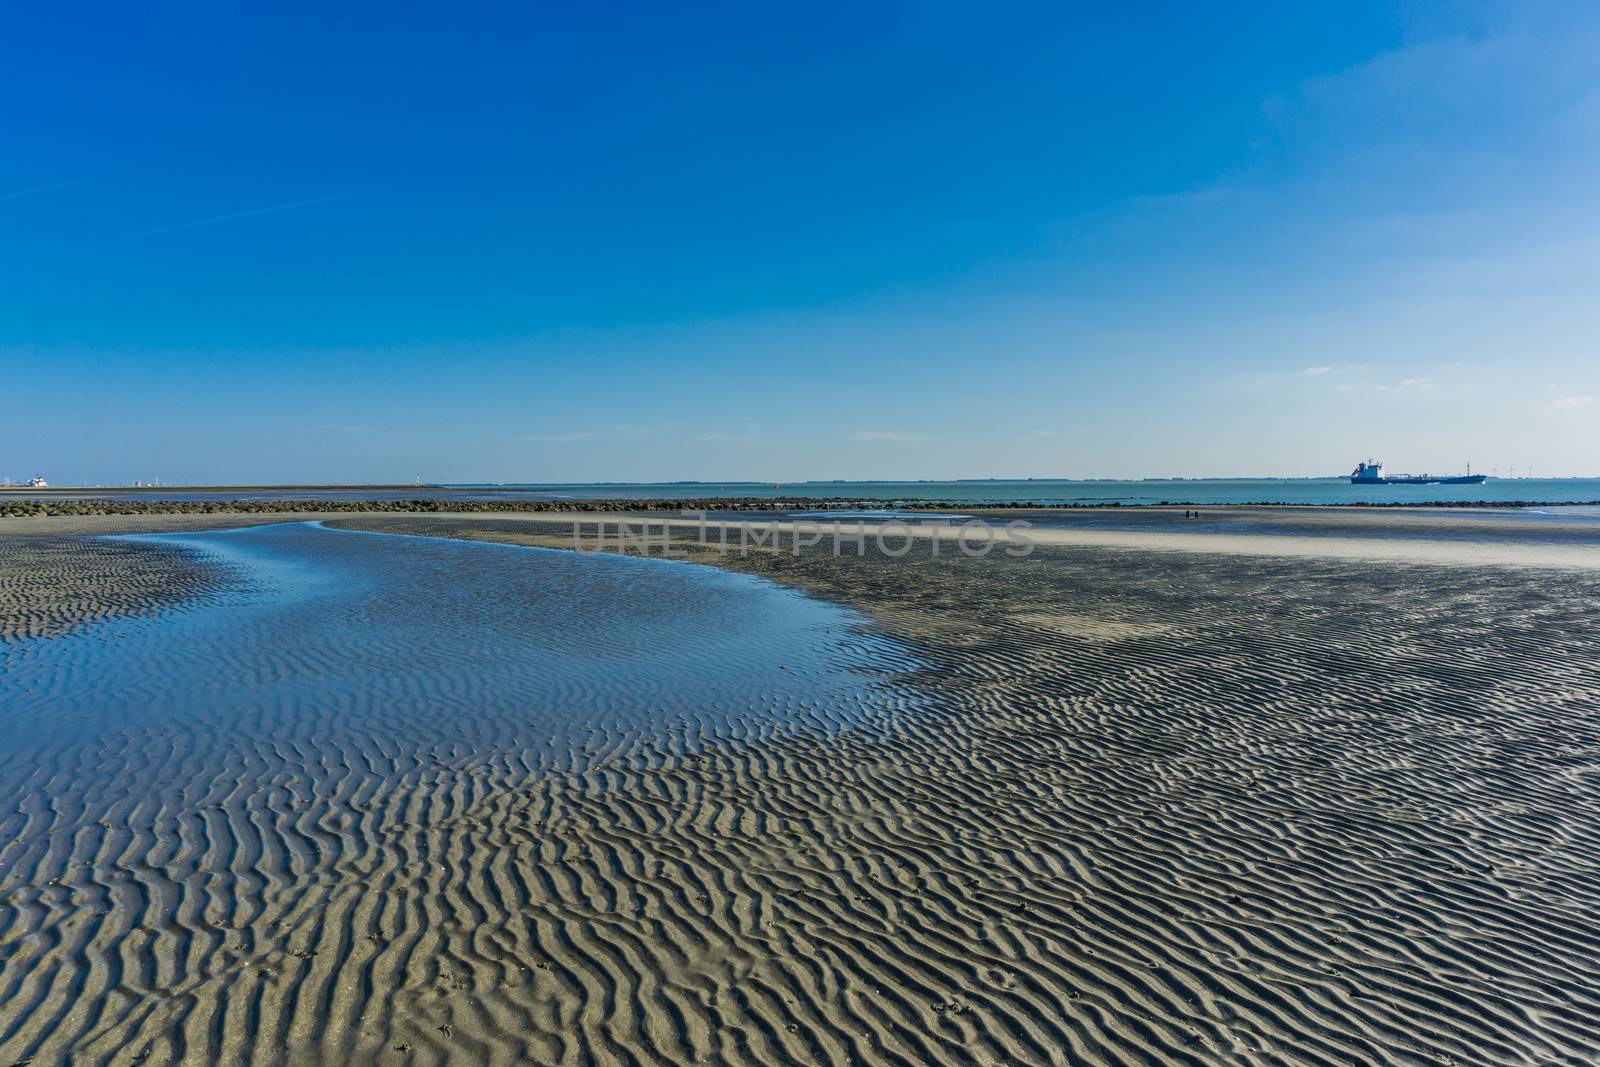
[886,435]
[728,438]
[1571,403]
[575,436]
[1316,372]
[1408,385]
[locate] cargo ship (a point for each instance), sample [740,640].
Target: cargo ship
[1372,473]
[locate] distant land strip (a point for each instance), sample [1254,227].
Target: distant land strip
[95,506]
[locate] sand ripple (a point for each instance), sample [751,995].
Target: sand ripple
[1162,809]
[51,585]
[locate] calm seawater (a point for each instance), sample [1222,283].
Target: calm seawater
[970,493]
[369,649]
[1208,491]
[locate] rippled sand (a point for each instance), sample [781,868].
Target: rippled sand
[1161,807]
[49,585]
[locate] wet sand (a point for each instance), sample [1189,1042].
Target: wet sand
[1176,803]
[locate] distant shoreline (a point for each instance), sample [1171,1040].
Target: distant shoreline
[454,488]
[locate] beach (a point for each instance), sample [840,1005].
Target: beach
[1267,786]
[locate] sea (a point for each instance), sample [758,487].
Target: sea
[1067,492]
[969,493]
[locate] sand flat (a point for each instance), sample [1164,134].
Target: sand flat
[1584,555]
[1162,806]
[1538,548]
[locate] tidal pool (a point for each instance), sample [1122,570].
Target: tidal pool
[374,650]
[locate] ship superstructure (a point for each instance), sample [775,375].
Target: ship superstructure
[1372,472]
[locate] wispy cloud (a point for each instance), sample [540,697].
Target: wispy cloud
[337,427]
[749,436]
[41,189]
[1342,370]
[1571,403]
[1408,385]
[728,439]
[575,437]
[887,435]
[270,209]
[558,438]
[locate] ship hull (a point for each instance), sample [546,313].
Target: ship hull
[1459,479]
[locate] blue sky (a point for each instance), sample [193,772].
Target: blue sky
[899,240]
